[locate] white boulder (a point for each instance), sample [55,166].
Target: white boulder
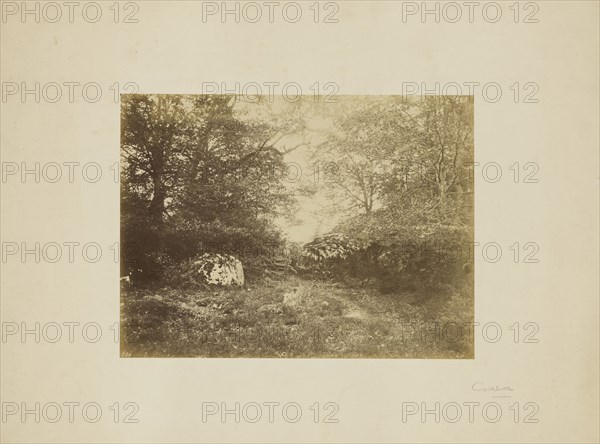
[220,269]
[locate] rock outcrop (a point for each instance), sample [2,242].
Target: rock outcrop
[220,269]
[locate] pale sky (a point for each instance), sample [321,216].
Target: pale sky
[300,170]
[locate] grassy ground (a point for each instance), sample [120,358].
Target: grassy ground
[320,319]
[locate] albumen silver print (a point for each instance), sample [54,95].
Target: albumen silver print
[299,221]
[297,227]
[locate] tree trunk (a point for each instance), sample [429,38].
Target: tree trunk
[157,205]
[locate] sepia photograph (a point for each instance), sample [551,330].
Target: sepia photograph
[300,221]
[297,227]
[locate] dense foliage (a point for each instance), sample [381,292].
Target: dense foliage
[199,175]
[196,178]
[402,182]
[383,226]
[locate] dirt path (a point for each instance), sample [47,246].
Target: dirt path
[351,309]
[292,317]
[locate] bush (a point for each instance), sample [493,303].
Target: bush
[153,256]
[413,259]
[182,275]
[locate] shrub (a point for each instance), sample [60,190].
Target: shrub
[411,259]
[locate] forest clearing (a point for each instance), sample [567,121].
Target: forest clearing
[281,228]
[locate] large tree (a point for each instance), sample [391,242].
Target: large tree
[409,156]
[196,174]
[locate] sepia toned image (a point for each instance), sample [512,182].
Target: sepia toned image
[297,227]
[299,221]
